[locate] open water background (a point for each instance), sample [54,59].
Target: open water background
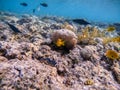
[107,11]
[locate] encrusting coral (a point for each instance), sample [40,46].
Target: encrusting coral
[64,37]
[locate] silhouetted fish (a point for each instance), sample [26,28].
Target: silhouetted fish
[44,4]
[80,21]
[33,10]
[13,28]
[24,4]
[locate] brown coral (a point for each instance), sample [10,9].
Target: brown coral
[69,38]
[68,26]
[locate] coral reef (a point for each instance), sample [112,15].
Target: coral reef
[34,58]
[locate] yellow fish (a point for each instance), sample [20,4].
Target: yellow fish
[111,29]
[112,54]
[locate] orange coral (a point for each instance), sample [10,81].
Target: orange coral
[60,43]
[112,54]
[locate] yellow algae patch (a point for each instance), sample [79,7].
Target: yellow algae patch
[89,82]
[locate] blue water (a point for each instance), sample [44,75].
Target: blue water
[107,11]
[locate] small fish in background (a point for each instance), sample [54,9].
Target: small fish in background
[33,11]
[24,4]
[110,31]
[38,7]
[15,29]
[81,21]
[44,4]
